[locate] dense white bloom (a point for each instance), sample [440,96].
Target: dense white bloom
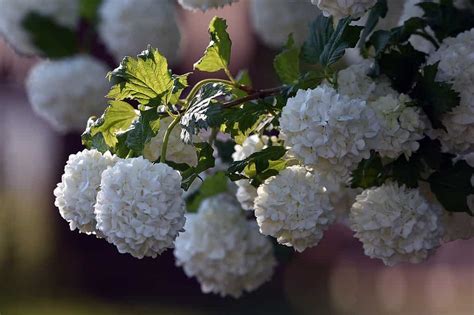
[294,208]
[274,20]
[328,131]
[204,5]
[456,66]
[68,91]
[127,27]
[13,12]
[401,126]
[396,224]
[77,192]
[140,208]
[342,8]
[223,250]
[177,151]
[457,226]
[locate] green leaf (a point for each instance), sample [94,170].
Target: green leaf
[287,63]
[206,161]
[452,186]
[211,186]
[369,173]
[241,121]
[180,82]
[145,79]
[378,11]
[142,130]
[204,110]
[89,9]
[320,33]
[217,54]
[117,117]
[93,142]
[436,98]
[406,172]
[52,39]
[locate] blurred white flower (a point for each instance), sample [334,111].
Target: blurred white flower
[127,28]
[204,5]
[294,207]
[77,192]
[396,224]
[67,92]
[140,208]
[13,13]
[343,8]
[223,250]
[177,151]
[456,66]
[274,20]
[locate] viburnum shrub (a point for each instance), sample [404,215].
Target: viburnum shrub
[384,145]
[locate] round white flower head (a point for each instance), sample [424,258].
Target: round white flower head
[76,194]
[127,28]
[343,8]
[140,207]
[457,226]
[223,250]
[396,224]
[355,83]
[401,126]
[177,151]
[204,5]
[68,91]
[294,207]
[274,20]
[325,129]
[456,66]
[13,13]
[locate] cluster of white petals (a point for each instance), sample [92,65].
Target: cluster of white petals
[294,207]
[456,66]
[223,250]
[401,126]
[396,224]
[13,13]
[140,207]
[67,92]
[204,5]
[328,131]
[343,8]
[177,151]
[127,28]
[76,194]
[274,20]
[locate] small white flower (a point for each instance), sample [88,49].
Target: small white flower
[127,27]
[140,207]
[328,131]
[204,5]
[13,12]
[294,208]
[68,91]
[396,224]
[274,20]
[456,66]
[223,250]
[77,192]
[401,126]
[343,8]
[177,151]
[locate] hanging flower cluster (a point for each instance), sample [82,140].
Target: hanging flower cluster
[383,145]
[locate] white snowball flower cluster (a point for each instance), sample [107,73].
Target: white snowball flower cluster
[223,250]
[177,151]
[294,207]
[204,5]
[127,28]
[401,126]
[396,224]
[68,91]
[328,131]
[456,66]
[274,20]
[343,8]
[13,13]
[140,208]
[76,194]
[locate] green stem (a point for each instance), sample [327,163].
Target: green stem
[229,75]
[167,137]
